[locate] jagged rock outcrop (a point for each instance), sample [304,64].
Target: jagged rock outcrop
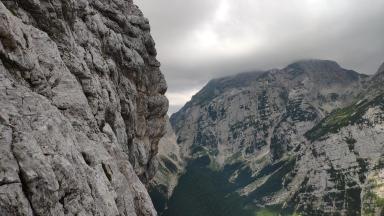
[82,108]
[171,166]
[305,139]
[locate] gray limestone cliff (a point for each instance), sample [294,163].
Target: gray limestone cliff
[82,108]
[343,163]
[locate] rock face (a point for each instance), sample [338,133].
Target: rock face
[171,166]
[343,164]
[82,108]
[306,139]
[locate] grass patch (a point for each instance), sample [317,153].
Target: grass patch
[267,212]
[373,203]
[205,192]
[343,117]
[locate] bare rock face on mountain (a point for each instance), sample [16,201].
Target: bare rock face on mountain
[82,108]
[304,139]
[170,167]
[343,164]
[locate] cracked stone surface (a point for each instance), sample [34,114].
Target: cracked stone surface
[82,108]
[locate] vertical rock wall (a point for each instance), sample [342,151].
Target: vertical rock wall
[82,108]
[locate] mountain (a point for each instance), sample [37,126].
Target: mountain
[82,108]
[254,114]
[304,139]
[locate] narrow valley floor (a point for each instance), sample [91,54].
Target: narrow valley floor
[203,191]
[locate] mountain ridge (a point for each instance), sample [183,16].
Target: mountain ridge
[218,85]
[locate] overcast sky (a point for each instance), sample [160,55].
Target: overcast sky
[198,40]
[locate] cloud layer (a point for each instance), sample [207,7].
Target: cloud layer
[202,39]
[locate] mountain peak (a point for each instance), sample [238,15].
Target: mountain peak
[324,71]
[315,64]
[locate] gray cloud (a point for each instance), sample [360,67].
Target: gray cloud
[171,20]
[202,39]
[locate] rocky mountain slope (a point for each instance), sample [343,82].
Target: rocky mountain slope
[304,139]
[82,108]
[344,161]
[171,166]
